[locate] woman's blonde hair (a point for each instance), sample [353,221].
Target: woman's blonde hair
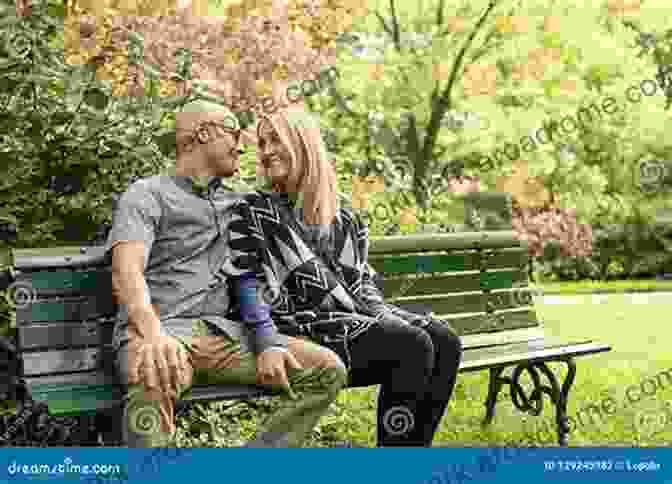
[310,170]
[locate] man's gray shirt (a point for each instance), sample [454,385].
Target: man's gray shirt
[185,259]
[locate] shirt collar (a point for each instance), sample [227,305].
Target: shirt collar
[199,185]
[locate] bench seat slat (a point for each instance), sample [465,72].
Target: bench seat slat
[502,337]
[88,392]
[534,350]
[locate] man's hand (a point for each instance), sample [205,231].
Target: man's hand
[160,364]
[272,367]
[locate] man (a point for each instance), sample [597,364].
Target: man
[169,244]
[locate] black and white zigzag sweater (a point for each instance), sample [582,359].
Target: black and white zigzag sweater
[301,269]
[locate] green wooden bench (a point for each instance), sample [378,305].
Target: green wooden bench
[476,280]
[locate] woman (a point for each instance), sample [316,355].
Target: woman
[309,255]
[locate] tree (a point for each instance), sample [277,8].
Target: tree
[252,49]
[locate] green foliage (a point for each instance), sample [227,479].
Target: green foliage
[68,145]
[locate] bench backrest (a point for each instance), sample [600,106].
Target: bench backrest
[471,278]
[476,280]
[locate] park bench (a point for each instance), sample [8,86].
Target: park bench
[477,281]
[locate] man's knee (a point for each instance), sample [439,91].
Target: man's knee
[332,360]
[336,370]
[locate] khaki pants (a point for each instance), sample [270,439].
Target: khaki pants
[149,414]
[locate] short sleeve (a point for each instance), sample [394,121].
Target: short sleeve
[136,218]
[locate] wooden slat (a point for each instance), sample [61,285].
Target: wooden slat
[74,394]
[536,350]
[68,283]
[490,323]
[74,309]
[521,297]
[396,287]
[62,335]
[205,393]
[502,279]
[61,361]
[426,263]
[55,257]
[502,337]
[508,257]
[456,261]
[444,304]
[400,244]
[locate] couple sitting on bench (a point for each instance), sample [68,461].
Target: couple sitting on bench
[269,288]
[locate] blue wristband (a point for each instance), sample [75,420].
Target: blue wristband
[252,309]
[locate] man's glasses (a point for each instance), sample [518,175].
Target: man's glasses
[226,127]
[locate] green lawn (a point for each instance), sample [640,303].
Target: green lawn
[636,329]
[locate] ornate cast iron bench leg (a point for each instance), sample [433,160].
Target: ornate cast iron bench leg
[495,385]
[533,404]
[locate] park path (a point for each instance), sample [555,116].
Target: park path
[633,298]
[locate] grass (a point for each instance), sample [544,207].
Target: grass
[635,327]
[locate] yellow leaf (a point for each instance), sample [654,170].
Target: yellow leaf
[376,183]
[360,201]
[199,8]
[456,24]
[376,71]
[503,24]
[408,216]
[552,24]
[263,88]
[441,71]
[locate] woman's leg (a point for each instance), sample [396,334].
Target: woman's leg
[447,358]
[400,358]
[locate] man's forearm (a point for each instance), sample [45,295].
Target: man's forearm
[132,291]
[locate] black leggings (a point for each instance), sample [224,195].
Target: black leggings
[416,368]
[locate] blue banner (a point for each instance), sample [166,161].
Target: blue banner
[336,466]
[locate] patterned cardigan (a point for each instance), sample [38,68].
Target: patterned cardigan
[300,269]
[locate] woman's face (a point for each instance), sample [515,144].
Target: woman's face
[274,155]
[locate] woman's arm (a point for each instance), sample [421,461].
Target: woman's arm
[369,292]
[248,279]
